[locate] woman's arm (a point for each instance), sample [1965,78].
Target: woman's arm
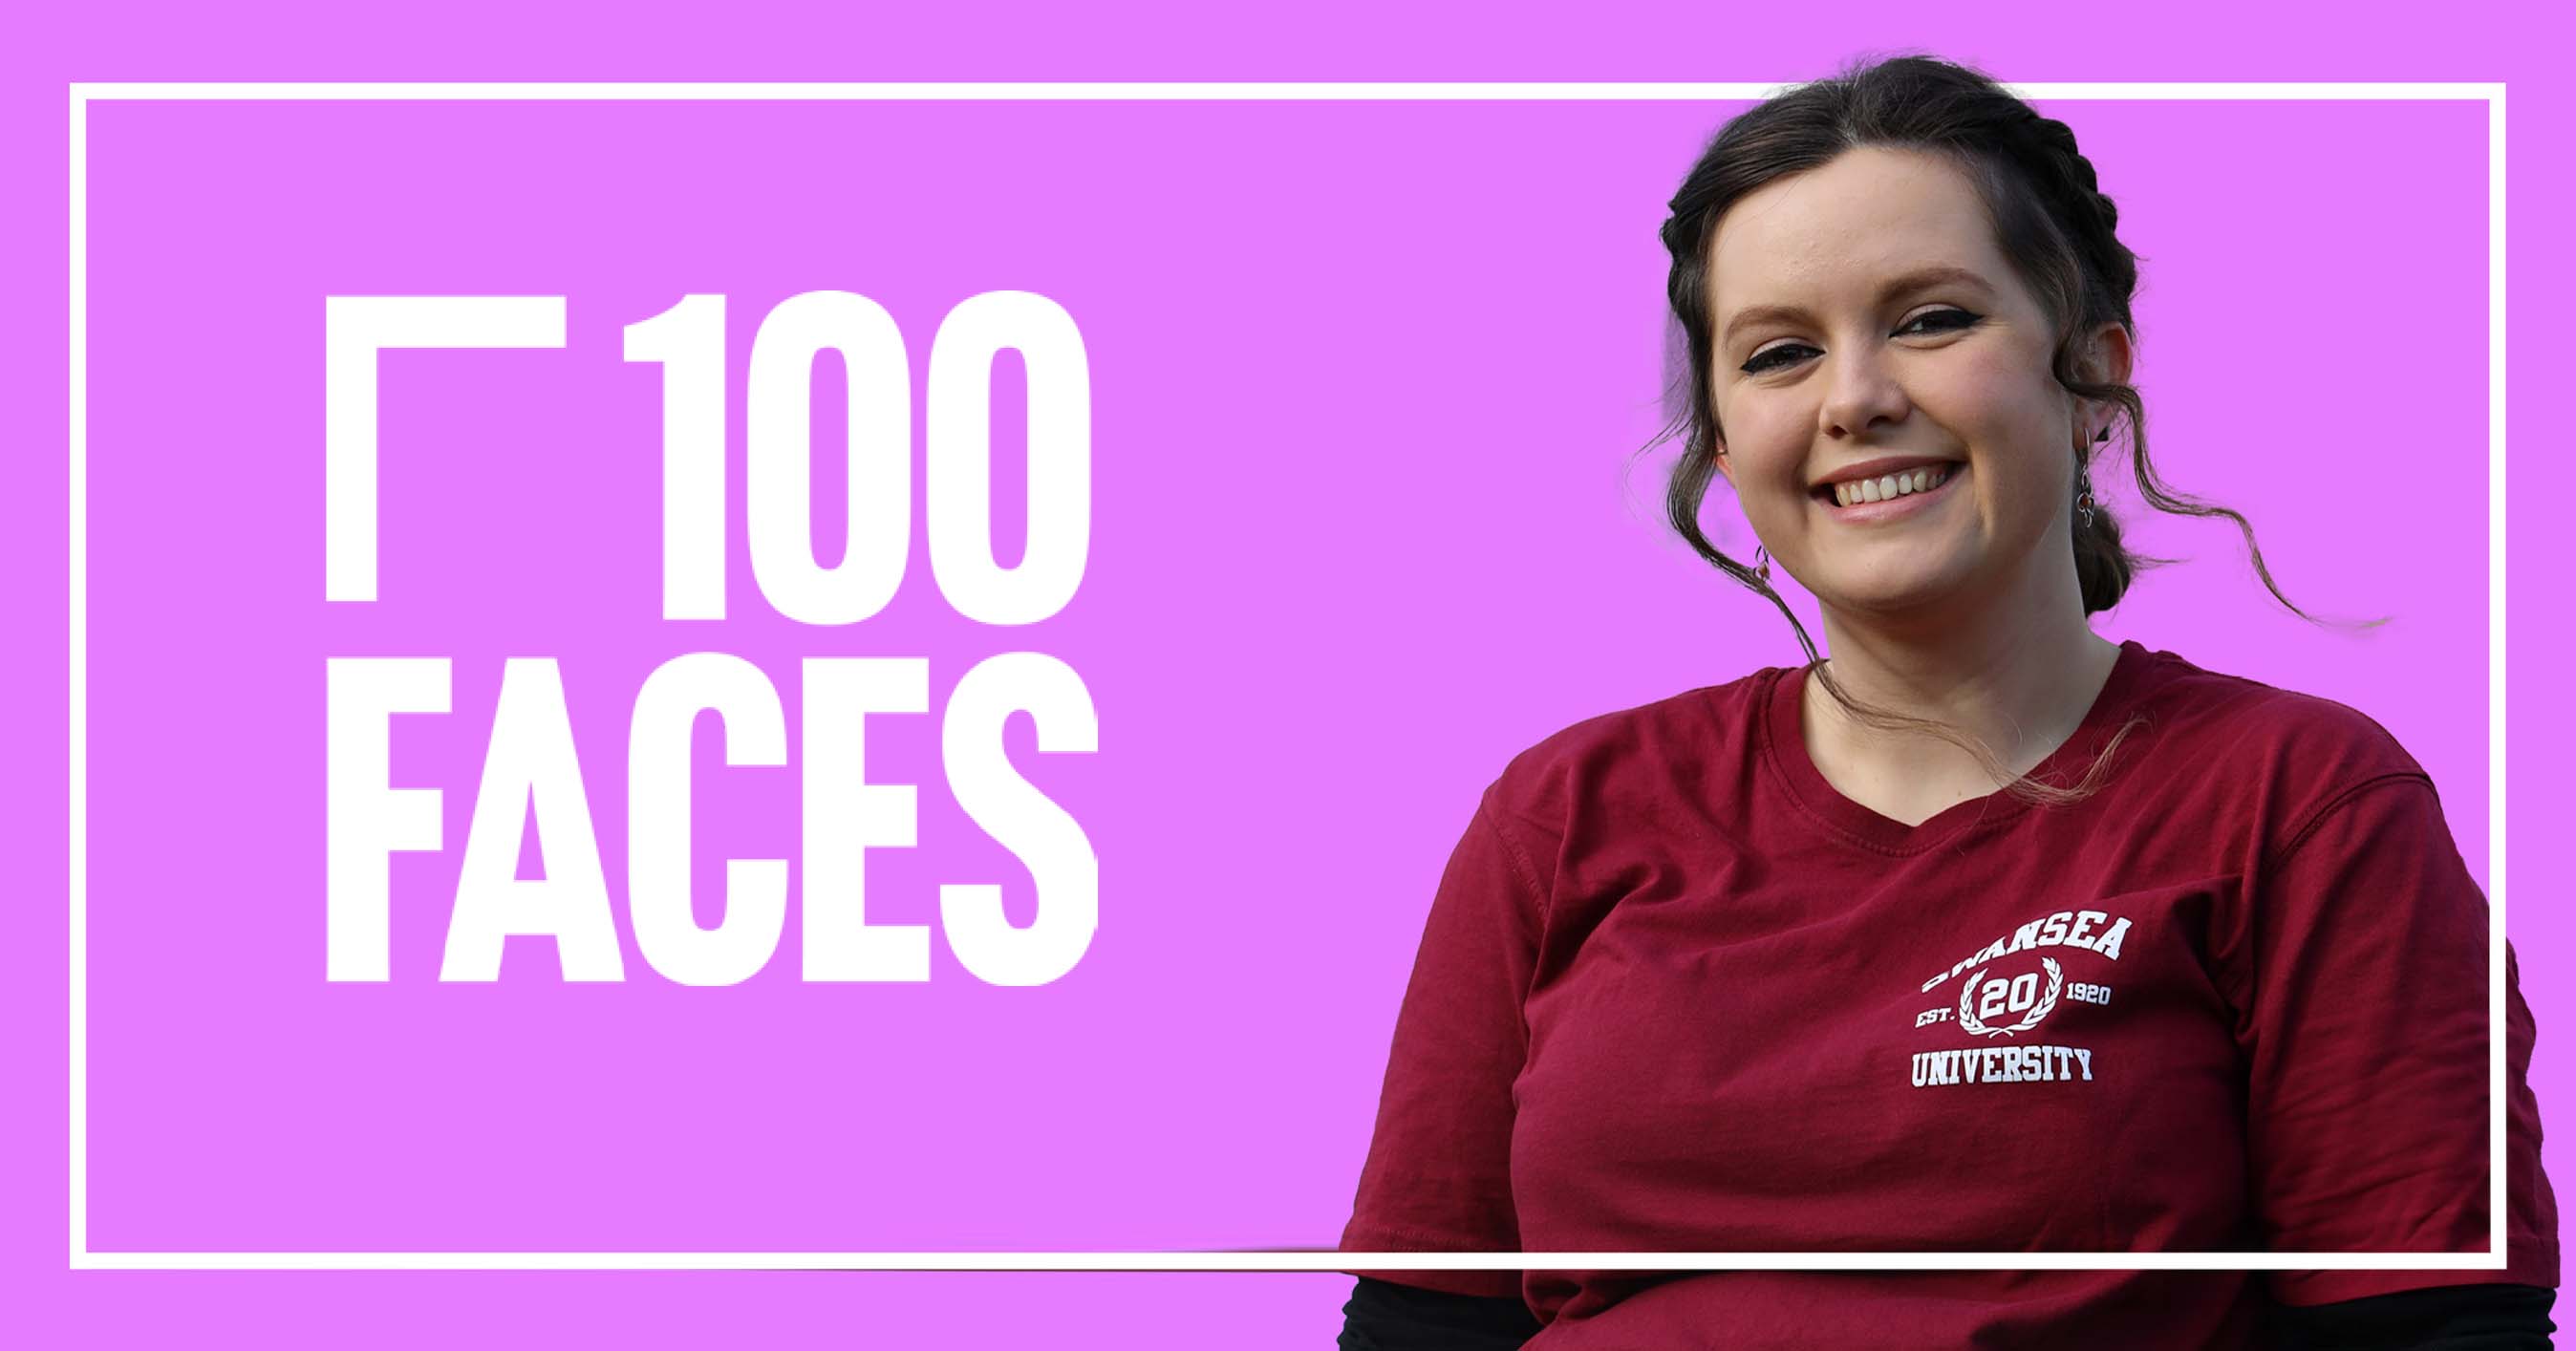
[1384,1316]
[2360,978]
[1438,1174]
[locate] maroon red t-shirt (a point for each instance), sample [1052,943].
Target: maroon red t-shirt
[1676,993]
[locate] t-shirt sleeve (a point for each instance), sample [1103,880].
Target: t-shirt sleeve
[1438,1174]
[2365,1030]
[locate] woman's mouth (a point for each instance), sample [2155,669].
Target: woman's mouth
[1888,497]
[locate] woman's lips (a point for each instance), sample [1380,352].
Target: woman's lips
[1894,508]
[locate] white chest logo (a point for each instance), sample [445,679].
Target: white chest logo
[1983,1003]
[1995,1005]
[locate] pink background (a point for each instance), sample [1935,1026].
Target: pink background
[1368,382]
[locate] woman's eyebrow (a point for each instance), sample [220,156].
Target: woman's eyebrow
[1932,275]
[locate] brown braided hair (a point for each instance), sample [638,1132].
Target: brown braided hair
[2051,220]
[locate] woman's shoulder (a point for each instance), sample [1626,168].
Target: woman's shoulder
[2227,722]
[1643,748]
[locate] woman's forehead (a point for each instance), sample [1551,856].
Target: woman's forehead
[1866,216]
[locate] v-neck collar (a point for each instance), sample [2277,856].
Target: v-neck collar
[1784,749]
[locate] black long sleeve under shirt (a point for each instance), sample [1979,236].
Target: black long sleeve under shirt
[1384,1316]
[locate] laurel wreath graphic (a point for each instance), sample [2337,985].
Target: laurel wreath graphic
[1969,1022]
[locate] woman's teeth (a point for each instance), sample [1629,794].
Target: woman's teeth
[1886,486]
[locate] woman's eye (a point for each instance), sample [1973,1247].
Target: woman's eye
[1763,360]
[1962,316]
[1950,321]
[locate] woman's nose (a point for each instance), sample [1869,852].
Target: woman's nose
[1861,390]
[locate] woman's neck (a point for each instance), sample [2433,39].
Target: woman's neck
[2019,676]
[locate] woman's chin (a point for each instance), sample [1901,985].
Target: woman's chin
[1895,591]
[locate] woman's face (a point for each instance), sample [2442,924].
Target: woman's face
[1863,312]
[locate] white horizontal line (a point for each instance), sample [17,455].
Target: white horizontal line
[1228,90]
[1286,1260]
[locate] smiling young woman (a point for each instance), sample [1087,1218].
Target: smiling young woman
[1988,933]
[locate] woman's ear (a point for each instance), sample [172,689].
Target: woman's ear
[2113,355]
[1725,466]
[2106,359]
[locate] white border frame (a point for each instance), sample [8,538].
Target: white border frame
[83,1258]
